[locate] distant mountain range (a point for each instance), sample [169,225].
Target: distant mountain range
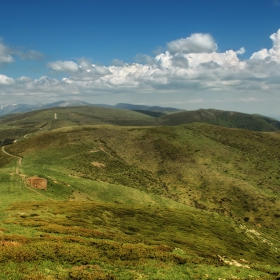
[21,108]
[79,112]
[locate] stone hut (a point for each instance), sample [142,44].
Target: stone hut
[37,182]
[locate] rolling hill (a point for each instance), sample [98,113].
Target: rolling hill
[191,201]
[13,126]
[17,125]
[222,118]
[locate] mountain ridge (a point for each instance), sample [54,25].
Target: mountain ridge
[229,119]
[50,118]
[21,108]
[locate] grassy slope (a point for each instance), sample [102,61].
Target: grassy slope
[17,125]
[222,118]
[129,190]
[228,171]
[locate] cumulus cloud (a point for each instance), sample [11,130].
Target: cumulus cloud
[4,80]
[85,63]
[89,72]
[64,66]
[190,63]
[188,68]
[179,60]
[260,55]
[196,43]
[24,79]
[272,54]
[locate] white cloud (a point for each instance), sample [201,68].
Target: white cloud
[275,51]
[260,55]
[64,66]
[189,70]
[24,79]
[171,71]
[196,43]
[241,51]
[4,80]
[85,63]
[270,55]
[5,52]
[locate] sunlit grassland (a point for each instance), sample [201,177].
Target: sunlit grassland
[103,240]
[232,172]
[12,187]
[141,203]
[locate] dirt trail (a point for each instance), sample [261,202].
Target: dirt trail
[39,193]
[19,159]
[17,171]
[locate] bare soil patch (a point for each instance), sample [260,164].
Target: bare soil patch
[98,164]
[37,182]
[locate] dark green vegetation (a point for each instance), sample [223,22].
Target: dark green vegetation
[138,202]
[7,142]
[150,113]
[222,118]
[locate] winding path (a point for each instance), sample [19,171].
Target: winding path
[19,158]
[17,171]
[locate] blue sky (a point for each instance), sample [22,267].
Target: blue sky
[187,54]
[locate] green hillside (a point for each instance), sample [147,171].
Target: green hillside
[222,118]
[194,201]
[17,125]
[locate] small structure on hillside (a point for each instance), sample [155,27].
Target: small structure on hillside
[37,182]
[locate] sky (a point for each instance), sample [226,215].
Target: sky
[187,54]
